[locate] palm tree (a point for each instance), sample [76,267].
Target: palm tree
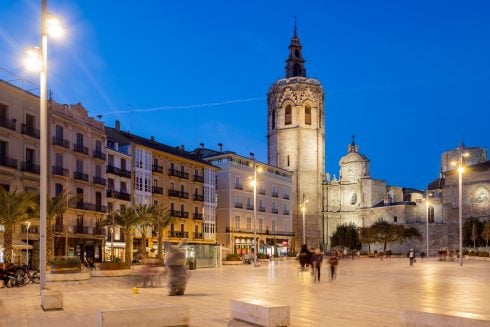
[111,220]
[127,219]
[160,220]
[56,206]
[144,213]
[14,207]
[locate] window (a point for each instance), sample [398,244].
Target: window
[110,160]
[307,115]
[98,146]
[395,219]
[155,182]
[237,180]
[237,199]
[431,214]
[182,229]
[273,119]
[237,222]
[79,138]
[98,171]
[58,189]
[182,208]
[124,188]
[172,186]
[261,224]
[30,156]
[249,223]
[110,184]
[79,166]
[123,164]
[182,189]
[155,161]
[30,121]
[58,160]
[59,132]
[288,160]
[3,149]
[273,226]
[288,116]
[249,202]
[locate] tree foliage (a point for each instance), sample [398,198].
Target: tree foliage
[387,233]
[472,232]
[486,232]
[346,236]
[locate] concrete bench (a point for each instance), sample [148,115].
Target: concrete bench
[51,300]
[261,313]
[409,318]
[148,316]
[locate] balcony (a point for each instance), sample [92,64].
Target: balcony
[80,148]
[179,214]
[178,194]
[285,196]
[262,192]
[80,229]
[198,197]
[262,209]
[238,205]
[118,195]
[110,169]
[8,123]
[125,173]
[275,210]
[238,186]
[198,178]
[99,155]
[178,234]
[197,215]
[259,231]
[59,141]
[99,180]
[60,171]
[275,194]
[197,235]
[8,162]
[178,173]
[80,176]
[285,212]
[157,190]
[29,167]
[89,207]
[250,206]
[157,169]
[29,130]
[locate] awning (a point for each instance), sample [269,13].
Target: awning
[21,245]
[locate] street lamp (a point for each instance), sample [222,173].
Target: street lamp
[427,230]
[52,26]
[254,183]
[461,154]
[28,224]
[303,208]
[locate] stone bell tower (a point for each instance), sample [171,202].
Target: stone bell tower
[296,140]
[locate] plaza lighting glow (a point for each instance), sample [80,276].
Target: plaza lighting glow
[54,27]
[32,61]
[461,169]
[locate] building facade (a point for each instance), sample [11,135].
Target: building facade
[235,212]
[296,141]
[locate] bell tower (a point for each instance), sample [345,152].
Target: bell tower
[296,141]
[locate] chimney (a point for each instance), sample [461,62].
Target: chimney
[220,147]
[252,155]
[152,138]
[201,145]
[118,125]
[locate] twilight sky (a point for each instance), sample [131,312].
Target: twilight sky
[408,78]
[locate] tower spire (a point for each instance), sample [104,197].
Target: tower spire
[295,64]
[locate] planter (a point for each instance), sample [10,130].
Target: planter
[231,263]
[66,268]
[113,265]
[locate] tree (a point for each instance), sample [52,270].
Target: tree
[144,213]
[384,233]
[14,207]
[127,219]
[486,232]
[55,207]
[160,219]
[472,229]
[366,236]
[411,233]
[346,235]
[111,220]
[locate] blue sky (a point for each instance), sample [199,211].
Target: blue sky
[408,78]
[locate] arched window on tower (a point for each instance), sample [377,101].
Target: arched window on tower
[431,214]
[288,116]
[296,70]
[273,119]
[307,115]
[319,118]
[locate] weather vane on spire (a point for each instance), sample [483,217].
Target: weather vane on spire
[294,24]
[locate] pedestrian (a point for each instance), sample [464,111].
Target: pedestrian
[411,256]
[333,261]
[304,256]
[316,264]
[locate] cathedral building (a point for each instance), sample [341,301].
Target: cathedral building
[296,141]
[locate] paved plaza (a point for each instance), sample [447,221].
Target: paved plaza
[367,292]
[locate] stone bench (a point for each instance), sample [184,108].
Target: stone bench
[51,300]
[261,313]
[151,316]
[409,318]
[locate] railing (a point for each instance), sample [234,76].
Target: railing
[89,207]
[179,194]
[157,190]
[99,180]
[99,154]
[198,178]
[178,234]
[88,230]
[157,169]
[262,209]
[285,212]
[118,195]
[238,205]
[8,162]
[197,235]
[285,196]
[29,130]
[125,173]
[250,206]
[179,214]
[8,123]
[262,192]
[275,194]
[80,148]
[239,186]
[29,167]
[178,173]
[275,210]
[197,215]
[80,176]
[198,197]
[118,171]
[60,171]
[61,142]
[261,232]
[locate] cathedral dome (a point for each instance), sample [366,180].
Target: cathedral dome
[353,165]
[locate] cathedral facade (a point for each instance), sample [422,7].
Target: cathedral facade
[296,142]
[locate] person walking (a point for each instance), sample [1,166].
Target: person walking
[411,256]
[333,261]
[316,263]
[304,257]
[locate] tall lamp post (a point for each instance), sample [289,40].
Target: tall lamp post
[303,208]
[28,224]
[52,26]
[254,182]
[461,154]
[427,229]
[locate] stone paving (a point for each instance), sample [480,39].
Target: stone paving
[367,292]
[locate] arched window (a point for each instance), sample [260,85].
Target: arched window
[273,119]
[288,116]
[431,214]
[307,115]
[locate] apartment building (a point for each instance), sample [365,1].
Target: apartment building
[180,181]
[235,211]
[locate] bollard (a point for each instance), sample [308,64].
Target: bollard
[135,290]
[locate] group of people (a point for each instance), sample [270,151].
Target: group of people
[314,258]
